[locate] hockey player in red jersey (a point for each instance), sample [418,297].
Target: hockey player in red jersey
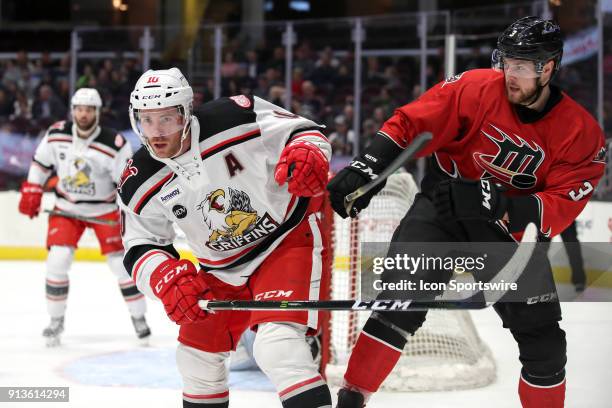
[491,127]
[87,159]
[241,180]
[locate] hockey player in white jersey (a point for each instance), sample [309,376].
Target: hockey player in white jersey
[87,159]
[242,182]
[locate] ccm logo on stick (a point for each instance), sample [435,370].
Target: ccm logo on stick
[273,294]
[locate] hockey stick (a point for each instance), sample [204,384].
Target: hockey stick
[92,220]
[417,144]
[509,273]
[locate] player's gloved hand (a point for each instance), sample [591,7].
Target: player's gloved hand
[305,166]
[177,283]
[459,199]
[361,171]
[348,180]
[31,195]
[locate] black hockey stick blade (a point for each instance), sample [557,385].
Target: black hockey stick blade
[417,144]
[510,272]
[92,220]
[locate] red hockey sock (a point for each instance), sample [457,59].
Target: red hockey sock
[370,363]
[538,396]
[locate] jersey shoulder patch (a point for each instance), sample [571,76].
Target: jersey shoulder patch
[63,127]
[141,179]
[111,138]
[475,76]
[225,113]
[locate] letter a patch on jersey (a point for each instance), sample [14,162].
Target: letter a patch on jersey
[515,163]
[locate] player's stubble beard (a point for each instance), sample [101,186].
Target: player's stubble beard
[85,127]
[524,97]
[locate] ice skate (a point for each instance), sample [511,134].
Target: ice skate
[53,331]
[142,329]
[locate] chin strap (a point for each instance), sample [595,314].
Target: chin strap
[191,171]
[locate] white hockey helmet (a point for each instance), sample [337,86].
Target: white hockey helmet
[87,97]
[158,89]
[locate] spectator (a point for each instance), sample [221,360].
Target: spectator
[84,79]
[373,76]
[6,104]
[379,116]
[324,75]
[22,107]
[229,66]
[252,64]
[312,105]
[369,132]
[262,86]
[297,79]
[278,59]
[383,100]
[303,60]
[277,95]
[47,106]
[343,138]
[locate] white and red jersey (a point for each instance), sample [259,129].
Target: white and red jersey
[234,218]
[88,170]
[557,157]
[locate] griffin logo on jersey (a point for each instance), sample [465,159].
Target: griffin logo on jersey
[78,180]
[515,163]
[232,221]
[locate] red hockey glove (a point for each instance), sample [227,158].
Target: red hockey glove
[306,167]
[179,286]
[31,195]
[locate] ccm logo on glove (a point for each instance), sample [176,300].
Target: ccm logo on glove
[168,277]
[486,194]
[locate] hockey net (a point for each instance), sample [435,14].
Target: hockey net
[446,353]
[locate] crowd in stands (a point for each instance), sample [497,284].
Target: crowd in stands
[35,92]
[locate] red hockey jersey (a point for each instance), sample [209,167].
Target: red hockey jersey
[478,134]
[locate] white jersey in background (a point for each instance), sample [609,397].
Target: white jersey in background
[88,170]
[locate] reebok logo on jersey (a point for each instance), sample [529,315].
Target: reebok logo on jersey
[167,197]
[515,162]
[486,194]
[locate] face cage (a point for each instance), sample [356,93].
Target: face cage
[186,113]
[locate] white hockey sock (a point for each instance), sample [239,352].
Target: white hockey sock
[282,353]
[57,283]
[134,300]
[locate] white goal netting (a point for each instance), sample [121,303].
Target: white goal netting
[446,353]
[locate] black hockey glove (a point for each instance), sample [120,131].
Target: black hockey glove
[460,199]
[362,170]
